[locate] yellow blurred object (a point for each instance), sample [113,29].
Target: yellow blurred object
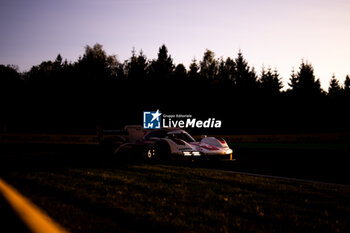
[33,217]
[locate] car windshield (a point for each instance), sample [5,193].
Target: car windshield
[183,136]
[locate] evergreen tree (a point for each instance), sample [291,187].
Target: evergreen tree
[277,80]
[163,67]
[226,69]
[230,67]
[303,83]
[136,66]
[244,77]
[58,61]
[270,82]
[334,89]
[194,69]
[293,80]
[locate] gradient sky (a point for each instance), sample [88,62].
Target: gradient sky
[274,33]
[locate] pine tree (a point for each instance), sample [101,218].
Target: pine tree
[293,80]
[334,89]
[226,69]
[58,61]
[277,81]
[270,82]
[244,77]
[136,66]
[163,67]
[303,83]
[193,72]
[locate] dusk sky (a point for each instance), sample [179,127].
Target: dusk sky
[273,33]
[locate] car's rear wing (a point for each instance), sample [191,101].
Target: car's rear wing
[130,133]
[135,132]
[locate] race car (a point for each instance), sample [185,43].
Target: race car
[168,143]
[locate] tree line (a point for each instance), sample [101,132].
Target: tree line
[97,89]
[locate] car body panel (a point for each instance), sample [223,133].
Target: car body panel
[180,143]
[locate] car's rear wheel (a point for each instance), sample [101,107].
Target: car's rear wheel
[163,150]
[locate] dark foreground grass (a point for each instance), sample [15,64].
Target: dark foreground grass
[165,198]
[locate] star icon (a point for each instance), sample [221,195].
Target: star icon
[156,115]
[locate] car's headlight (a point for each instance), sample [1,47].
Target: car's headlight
[190,153]
[196,153]
[187,153]
[229,151]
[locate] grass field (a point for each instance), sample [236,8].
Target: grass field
[167,198]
